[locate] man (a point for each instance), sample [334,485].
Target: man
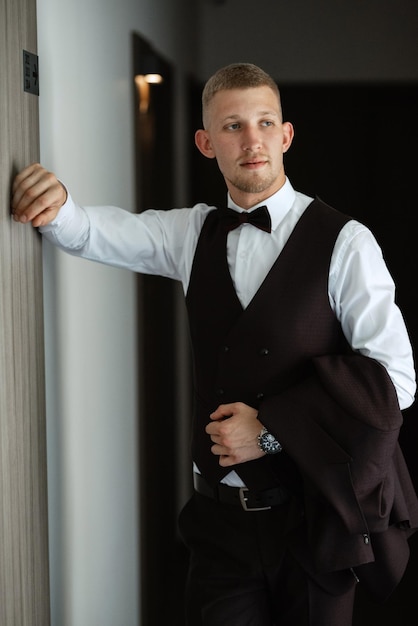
[302,365]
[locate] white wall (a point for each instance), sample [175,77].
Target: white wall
[86,125]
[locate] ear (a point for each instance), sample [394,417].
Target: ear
[288,134]
[202,141]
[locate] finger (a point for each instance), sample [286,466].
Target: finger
[39,203]
[212,428]
[27,171]
[33,187]
[213,435]
[24,180]
[223,411]
[45,217]
[38,197]
[228,460]
[218,427]
[219,450]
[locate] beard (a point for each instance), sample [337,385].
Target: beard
[256,183]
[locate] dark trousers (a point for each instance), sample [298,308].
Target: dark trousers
[243,573]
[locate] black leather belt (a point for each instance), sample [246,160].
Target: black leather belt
[240,496]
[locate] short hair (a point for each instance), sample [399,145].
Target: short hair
[236,76]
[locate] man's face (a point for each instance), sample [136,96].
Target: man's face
[245,133]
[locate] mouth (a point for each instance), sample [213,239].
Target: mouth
[253,163]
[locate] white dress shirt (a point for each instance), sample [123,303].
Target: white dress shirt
[361,290]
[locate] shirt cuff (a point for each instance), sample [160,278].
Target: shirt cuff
[70,228]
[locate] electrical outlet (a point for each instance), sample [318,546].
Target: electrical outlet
[30,73]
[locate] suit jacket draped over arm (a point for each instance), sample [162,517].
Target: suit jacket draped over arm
[341,426]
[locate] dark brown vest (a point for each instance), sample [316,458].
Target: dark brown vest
[247,355]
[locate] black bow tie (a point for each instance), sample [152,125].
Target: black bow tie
[259,218]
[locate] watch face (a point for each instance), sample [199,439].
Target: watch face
[269,444]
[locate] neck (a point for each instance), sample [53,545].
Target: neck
[247,201]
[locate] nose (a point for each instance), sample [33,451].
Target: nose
[251,140]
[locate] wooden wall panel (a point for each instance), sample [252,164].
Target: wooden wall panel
[24,577]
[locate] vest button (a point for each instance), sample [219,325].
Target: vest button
[220,392]
[264,351]
[260,395]
[226,348]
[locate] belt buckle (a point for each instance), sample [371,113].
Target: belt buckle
[243,500]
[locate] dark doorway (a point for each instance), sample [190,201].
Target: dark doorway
[354,147]
[163,558]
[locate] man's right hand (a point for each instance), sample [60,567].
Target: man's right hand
[37,196]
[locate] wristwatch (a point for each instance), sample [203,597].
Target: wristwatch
[268,443]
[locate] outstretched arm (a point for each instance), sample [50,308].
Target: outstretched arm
[37,196]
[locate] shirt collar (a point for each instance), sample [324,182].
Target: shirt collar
[278,204]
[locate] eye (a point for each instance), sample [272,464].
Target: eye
[233,126]
[267,123]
